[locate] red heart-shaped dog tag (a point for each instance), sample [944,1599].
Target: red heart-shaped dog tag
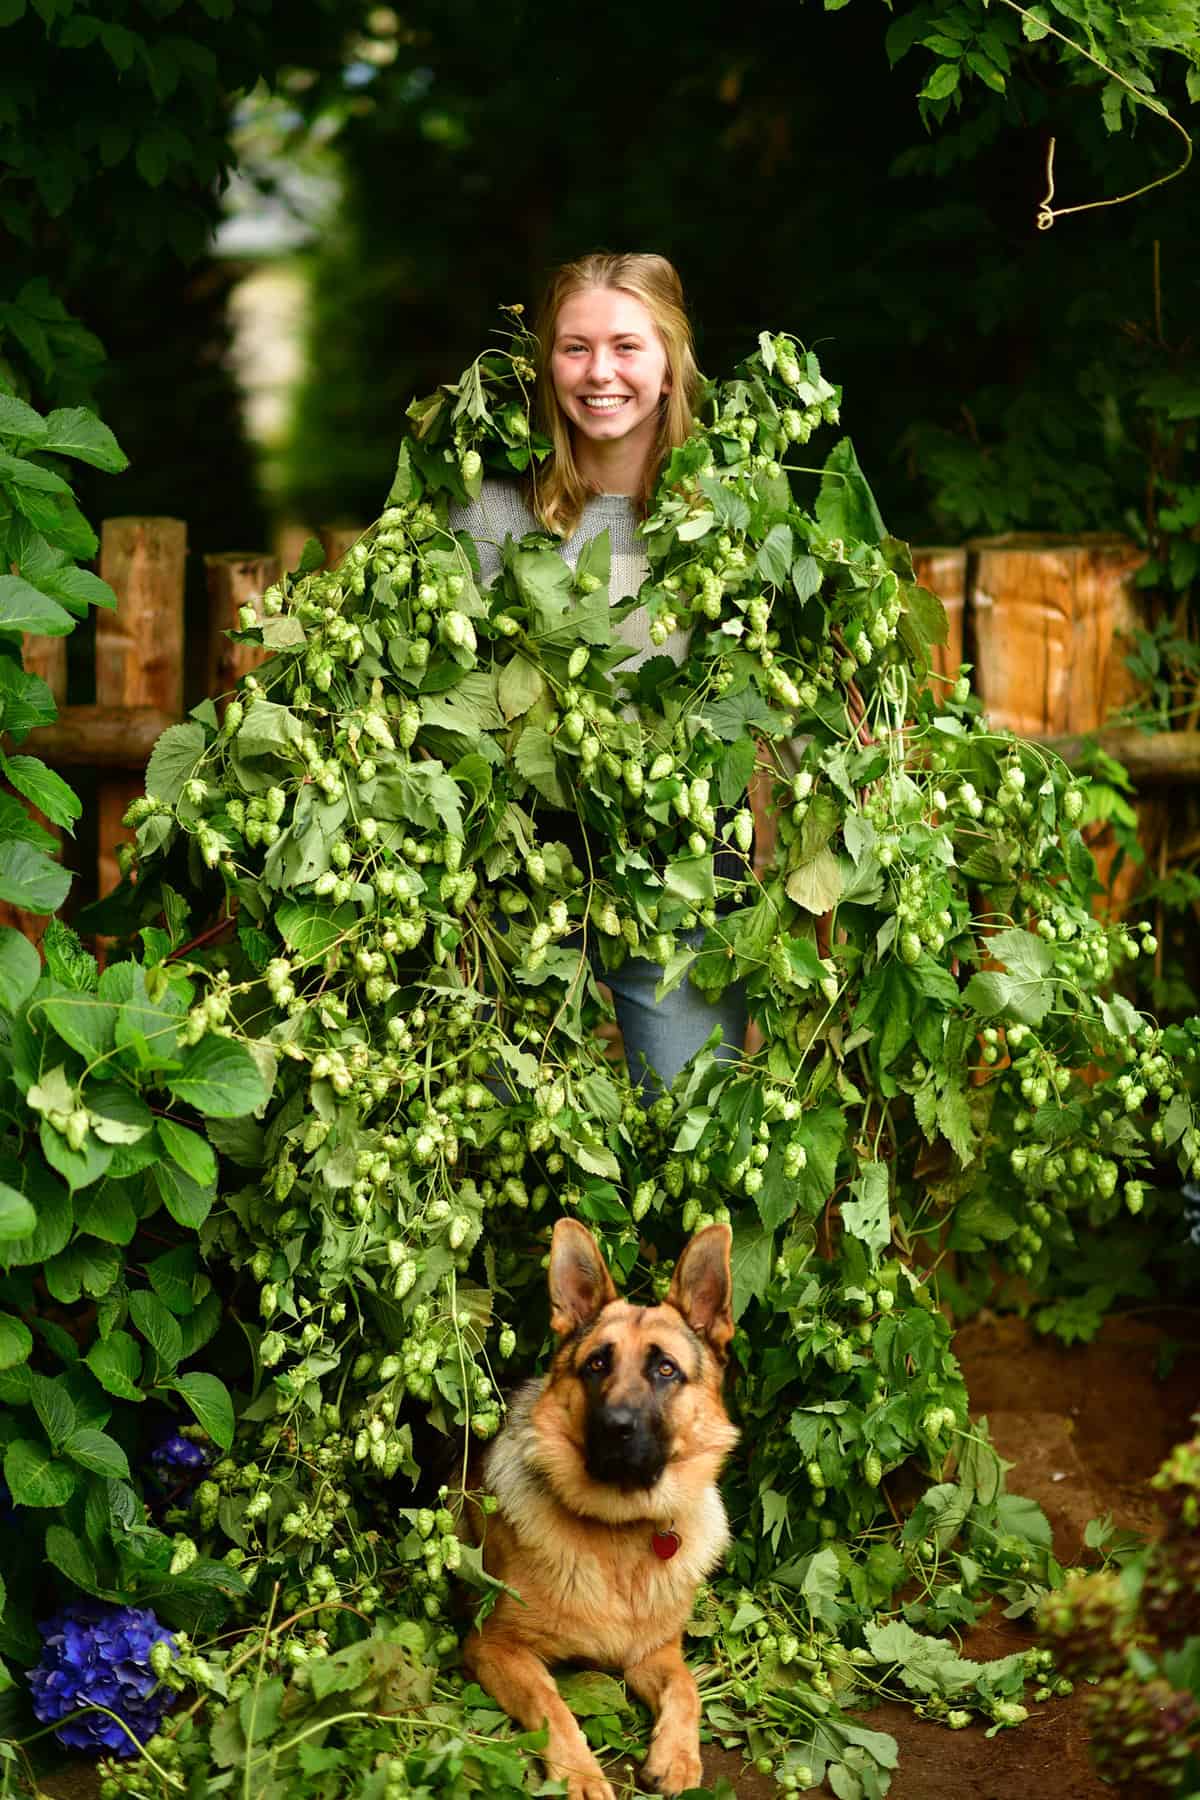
[665,1544]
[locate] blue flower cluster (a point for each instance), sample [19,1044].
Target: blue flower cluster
[99,1655]
[178,1453]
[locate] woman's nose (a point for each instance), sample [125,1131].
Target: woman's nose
[601,366]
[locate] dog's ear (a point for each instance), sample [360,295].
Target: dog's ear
[580,1284]
[702,1288]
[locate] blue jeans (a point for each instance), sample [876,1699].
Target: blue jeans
[661,1036]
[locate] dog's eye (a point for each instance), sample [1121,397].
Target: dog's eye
[666,1368]
[597,1363]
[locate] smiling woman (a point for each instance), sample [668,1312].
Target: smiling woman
[617,384]
[611,380]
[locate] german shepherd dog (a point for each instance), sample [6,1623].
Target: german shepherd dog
[609,1514]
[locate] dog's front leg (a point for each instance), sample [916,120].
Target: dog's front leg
[666,1684]
[522,1684]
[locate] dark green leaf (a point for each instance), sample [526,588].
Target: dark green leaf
[20,967]
[194,1156]
[16,419]
[735,715]
[86,1266]
[210,1402]
[74,431]
[66,959]
[24,609]
[521,684]
[96,1451]
[17,1217]
[823,1133]
[220,1078]
[752,1259]
[52,1204]
[35,1478]
[941,83]
[173,759]
[71,1557]
[188,1203]
[30,880]
[534,759]
[118,1113]
[43,789]
[980,1220]
[310,927]
[868,1216]
[172,1276]
[16,1341]
[845,504]
[78,1168]
[54,1407]
[158,1326]
[83,1021]
[107,1212]
[145,1027]
[116,1362]
[774,559]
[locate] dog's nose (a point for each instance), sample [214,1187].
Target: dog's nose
[620,1421]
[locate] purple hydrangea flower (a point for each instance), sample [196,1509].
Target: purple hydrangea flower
[100,1655]
[178,1454]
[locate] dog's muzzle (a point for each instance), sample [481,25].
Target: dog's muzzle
[623,1447]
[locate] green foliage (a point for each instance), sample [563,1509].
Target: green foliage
[82,1164]
[993,357]
[373,930]
[283,1178]
[146,94]
[1133,1632]
[43,535]
[91,1177]
[972,43]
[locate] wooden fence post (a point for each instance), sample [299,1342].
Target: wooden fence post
[1047,613]
[1050,615]
[139,649]
[235,579]
[944,573]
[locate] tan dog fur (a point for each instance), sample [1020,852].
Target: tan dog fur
[578,1550]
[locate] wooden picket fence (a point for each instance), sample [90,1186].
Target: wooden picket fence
[143,660]
[1039,618]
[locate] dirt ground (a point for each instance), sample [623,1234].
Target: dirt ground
[1084,1428]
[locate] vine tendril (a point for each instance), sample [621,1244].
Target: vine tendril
[1047,214]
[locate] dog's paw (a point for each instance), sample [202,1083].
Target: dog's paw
[583,1775]
[589,1785]
[673,1765]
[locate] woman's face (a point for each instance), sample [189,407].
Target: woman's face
[609,367]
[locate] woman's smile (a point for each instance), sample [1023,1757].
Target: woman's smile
[603,336]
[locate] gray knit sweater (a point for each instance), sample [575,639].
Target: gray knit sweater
[500,512]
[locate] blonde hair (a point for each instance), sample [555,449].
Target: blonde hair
[558,491]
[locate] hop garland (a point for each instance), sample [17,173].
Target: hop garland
[382,933]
